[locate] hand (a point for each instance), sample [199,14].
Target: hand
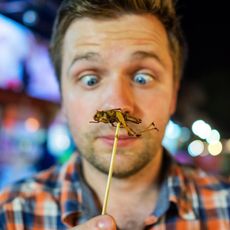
[104,222]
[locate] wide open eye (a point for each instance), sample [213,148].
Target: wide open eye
[89,80]
[142,78]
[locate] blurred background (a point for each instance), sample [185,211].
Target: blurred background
[33,133]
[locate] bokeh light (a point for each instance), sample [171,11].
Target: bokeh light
[58,140]
[227,145]
[173,131]
[213,137]
[30,17]
[185,134]
[196,148]
[32,124]
[215,148]
[201,129]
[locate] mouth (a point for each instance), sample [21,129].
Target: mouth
[123,140]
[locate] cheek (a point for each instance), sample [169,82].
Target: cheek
[158,103]
[157,109]
[76,110]
[76,115]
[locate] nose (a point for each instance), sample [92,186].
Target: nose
[119,94]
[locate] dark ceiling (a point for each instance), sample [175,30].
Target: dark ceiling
[205,86]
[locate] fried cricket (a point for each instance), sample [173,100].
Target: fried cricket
[114,116]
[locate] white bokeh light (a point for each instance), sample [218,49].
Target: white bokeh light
[213,137]
[58,140]
[196,148]
[201,129]
[215,148]
[173,131]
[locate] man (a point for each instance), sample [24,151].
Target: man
[118,54]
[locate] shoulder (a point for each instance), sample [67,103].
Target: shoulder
[202,179]
[28,197]
[42,183]
[206,191]
[200,196]
[39,198]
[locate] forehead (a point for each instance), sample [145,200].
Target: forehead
[139,28]
[116,40]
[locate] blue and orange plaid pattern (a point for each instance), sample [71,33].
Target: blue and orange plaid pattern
[54,200]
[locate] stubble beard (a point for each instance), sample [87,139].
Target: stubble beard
[131,160]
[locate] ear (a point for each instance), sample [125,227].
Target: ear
[174,99]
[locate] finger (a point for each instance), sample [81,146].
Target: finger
[103,222]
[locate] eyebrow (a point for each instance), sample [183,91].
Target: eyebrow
[89,56]
[147,54]
[92,56]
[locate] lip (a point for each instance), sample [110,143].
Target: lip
[123,140]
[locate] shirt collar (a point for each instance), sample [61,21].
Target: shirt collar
[175,189]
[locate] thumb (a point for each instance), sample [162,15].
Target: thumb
[103,222]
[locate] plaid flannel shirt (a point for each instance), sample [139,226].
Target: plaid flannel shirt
[58,199]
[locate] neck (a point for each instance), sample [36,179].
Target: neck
[140,185]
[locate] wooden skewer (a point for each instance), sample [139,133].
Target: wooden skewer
[105,203]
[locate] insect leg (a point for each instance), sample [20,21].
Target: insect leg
[113,124]
[121,119]
[148,128]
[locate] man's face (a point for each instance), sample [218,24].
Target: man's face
[118,63]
